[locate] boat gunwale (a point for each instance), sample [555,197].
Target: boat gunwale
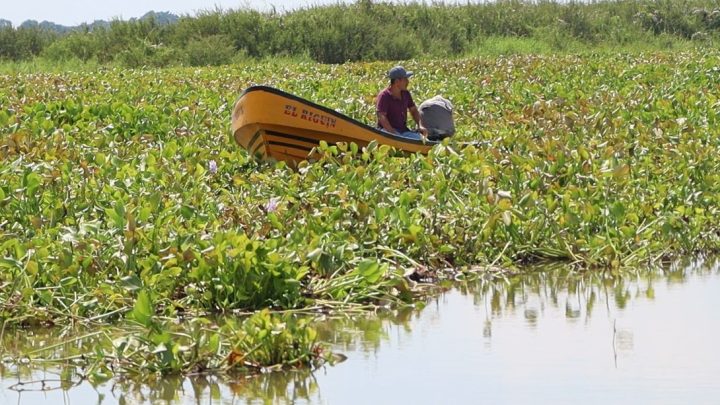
[337,115]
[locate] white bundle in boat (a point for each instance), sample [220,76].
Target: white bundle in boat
[436,116]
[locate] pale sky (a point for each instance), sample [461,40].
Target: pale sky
[67,12]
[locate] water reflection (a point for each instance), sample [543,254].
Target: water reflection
[560,334]
[46,386]
[288,387]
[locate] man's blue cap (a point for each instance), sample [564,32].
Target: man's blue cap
[398,72]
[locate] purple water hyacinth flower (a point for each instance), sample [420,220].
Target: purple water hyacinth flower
[212,166]
[272,205]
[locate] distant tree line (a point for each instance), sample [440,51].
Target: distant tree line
[366,30]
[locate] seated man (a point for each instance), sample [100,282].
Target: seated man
[393,104]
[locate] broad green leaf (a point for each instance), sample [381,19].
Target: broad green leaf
[187,211]
[370,270]
[32,181]
[143,310]
[214,343]
[618,210]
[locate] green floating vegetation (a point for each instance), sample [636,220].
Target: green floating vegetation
[149,346]
[118,186]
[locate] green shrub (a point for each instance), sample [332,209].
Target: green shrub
[210,51]
[368,30]
[74,46]
[147,54]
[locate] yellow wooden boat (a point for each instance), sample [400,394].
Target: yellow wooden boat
[272,124]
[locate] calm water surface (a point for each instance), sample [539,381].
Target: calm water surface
[548,337]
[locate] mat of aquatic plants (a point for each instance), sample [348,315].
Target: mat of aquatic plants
[124,199]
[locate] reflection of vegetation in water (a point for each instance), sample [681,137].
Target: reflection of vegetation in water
[578,294]
[365,332]
[60,373]
[273,387]
[291,386]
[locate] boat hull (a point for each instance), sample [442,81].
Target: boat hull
[274,125]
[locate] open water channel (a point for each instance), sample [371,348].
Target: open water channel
[552,336]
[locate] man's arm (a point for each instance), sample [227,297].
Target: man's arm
[416,116]
[385,124]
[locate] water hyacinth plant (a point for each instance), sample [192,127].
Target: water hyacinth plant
[153,347]
[108,190]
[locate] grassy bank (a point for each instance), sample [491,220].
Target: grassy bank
[368,30]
